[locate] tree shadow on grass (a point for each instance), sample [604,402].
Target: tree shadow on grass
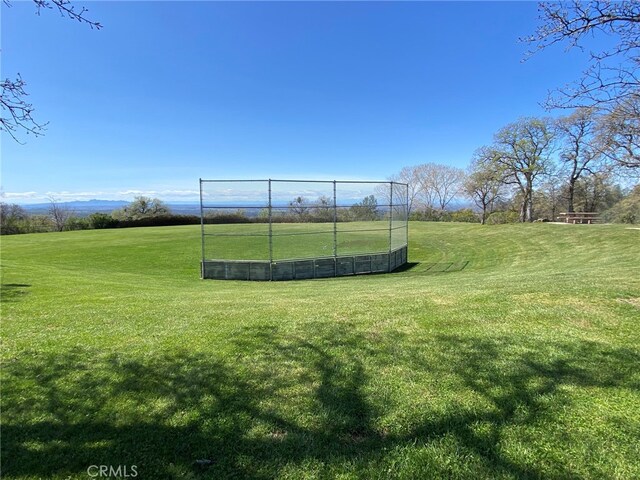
[284,401]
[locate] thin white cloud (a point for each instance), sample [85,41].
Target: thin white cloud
[19,195]
[224,192]
[125,195]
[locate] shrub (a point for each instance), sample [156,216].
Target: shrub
[77,223]
[430,215]
[102,220]
[235,217]
[160,221]
[37,224]
[497,218]
[433,215]
[626,210]
[366,210]
[465,215]
[12,217]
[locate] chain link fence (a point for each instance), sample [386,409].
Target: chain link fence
[288,229]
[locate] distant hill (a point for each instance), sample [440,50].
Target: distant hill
[87,207]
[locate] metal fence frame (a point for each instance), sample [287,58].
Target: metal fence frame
[395,257]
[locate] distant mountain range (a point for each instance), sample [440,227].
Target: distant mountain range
[87,207]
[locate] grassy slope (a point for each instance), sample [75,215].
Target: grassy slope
[525,363]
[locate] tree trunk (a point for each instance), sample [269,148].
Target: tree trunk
[572,188]
[529,199]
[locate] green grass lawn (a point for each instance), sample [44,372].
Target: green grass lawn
[502,352]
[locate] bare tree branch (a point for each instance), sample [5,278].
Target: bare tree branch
[66,10]
[17,113]
[612,75]
[59,214]
[581,148]
[619,133]
[410,176]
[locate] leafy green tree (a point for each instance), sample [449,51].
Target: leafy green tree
[142,207]
[626,210]
[523,154]
[596,193]
[483,182]
[366,210]
[550,198]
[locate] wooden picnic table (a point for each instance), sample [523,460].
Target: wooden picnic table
[579,217]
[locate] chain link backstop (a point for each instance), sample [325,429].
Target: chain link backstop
[294,229]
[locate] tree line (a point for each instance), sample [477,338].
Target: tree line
[149,212]
[537,167]
[141,212]
[534,169]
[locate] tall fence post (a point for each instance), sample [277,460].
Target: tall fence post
[390,222]
[406,220]
[270,236]
[335,221]
[335,231]
[201,231]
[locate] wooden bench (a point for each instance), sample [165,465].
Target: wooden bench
[579,217]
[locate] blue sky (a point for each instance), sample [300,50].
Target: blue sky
[168,92]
